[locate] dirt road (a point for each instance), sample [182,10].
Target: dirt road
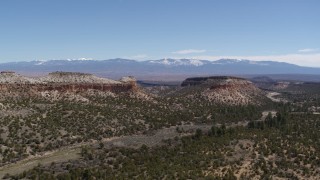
[70,153]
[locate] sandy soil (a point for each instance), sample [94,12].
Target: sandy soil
[271,95]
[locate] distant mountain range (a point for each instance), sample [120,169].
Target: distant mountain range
[174,69]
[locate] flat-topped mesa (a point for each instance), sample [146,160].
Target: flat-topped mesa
[63,73]
[10,77]
[216,81]
[223,90]
[7,72]
[65,82]
[75,77]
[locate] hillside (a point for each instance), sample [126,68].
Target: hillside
[73,125]
[65,108]
[225,90]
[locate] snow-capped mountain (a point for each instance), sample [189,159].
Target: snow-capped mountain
[197,62]
[180,62]
[115,68]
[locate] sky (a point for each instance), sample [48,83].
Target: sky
[279,30]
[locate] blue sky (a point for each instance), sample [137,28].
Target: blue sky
[282,30]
